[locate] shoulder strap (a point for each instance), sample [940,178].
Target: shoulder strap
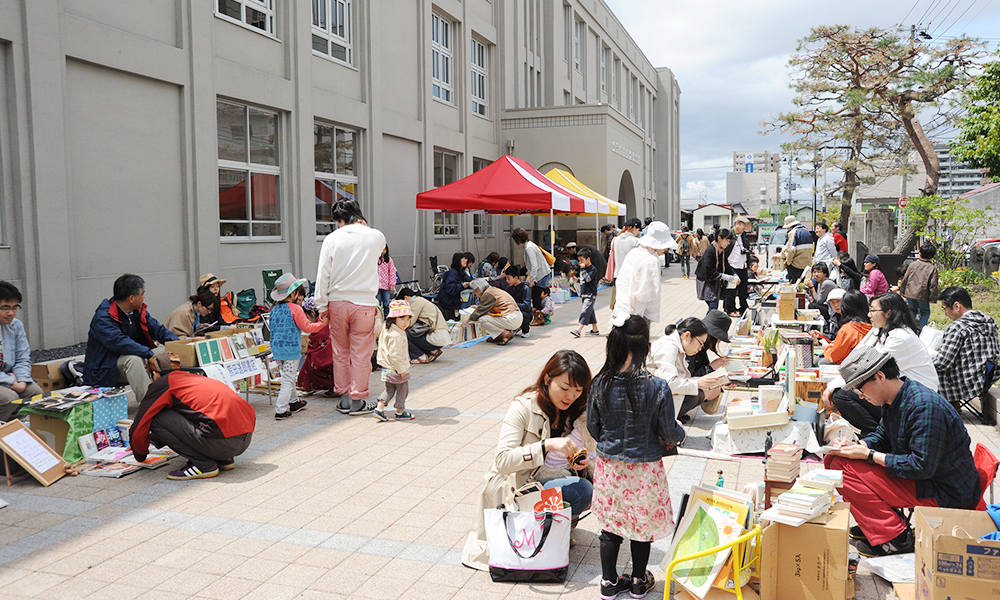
[546,527]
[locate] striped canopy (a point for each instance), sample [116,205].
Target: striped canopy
[605,205]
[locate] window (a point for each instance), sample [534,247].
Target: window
[258,14]
[445,172]
[615,78]
[482,224]
[336,176]
[633,91]
[604,69]
[480,77]
[249,174]
[577,45]
[441,57]
[332,29]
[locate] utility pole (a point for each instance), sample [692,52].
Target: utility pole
[816,164]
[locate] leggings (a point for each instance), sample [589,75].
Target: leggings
[610,543]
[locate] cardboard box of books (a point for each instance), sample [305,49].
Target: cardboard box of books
[227,332]
[808,562]
[185,350]
[951,560]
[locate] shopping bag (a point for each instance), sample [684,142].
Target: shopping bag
[528,546]
[931,336]
[548,256]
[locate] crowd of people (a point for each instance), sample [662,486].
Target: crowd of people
[900,396]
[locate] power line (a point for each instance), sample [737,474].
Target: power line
[959,18]
[903,20]
[929,8]
[969,22]
[945,18]
[933,19]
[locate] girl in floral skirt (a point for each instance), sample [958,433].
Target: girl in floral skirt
[631,415]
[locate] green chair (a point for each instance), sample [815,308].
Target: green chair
[270,276]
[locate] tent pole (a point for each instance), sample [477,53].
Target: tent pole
[416,217]
[552,239]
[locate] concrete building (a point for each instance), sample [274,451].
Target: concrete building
[755,191]
[171,138]
[707,215]
[757,161]
[957,178]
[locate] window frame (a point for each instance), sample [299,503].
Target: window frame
[334,178]
[604,69]
[327,34]
[615,78]
[448,228]
[251,169]
[578,45]
[266,7]
[442,59]
[480,61]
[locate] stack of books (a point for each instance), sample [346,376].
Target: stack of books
[783,462]
[823,479]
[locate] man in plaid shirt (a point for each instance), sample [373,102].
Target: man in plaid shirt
[919,456]
[970,341]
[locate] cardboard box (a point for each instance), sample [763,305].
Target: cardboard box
[808,562]
[52,430]
[227,332]
[185,349]
[810,391]
[786,304]
[47,374]
[953,566]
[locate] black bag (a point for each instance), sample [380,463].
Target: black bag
[419,329]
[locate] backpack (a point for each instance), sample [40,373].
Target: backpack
[684,249]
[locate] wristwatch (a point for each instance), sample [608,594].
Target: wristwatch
[871,457]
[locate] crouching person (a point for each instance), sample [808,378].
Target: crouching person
[201,419]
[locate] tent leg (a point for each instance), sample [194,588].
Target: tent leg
[416,219]
[552,239]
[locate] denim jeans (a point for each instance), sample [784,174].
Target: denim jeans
[384,297]
[685,261]
[713,305]
[575,490]
[921,310]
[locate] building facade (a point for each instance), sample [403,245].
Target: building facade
[957,178]
[171,138]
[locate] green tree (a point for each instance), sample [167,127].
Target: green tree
[949,224]
[978,142]
[859,93]
[764,214]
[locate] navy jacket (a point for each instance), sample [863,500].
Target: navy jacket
[112,334]
[522,295]
[450,294]
[629,436]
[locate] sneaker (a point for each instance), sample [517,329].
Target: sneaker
[367,407]
[855,533]
[526,335]
[191,472]
[345,410]
[641,587]
[297,405]
[903,544]
[380,415]
[574,333]
[404,416]
[609,590]
[592,332]
[226,465]
[282,416]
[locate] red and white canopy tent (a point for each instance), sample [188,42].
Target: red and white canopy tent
[509,186]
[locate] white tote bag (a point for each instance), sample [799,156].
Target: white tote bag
[528,546]
[931,336]
[439,337]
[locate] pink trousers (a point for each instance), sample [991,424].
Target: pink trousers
[352,335]
[873,494]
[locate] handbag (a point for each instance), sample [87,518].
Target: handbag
[420,329]
[439,338]
[931,336]
[528,546]
[548,257]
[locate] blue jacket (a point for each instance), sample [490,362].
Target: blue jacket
[450,294]
[16,354]
[522,295]
[112,334]
[627,436]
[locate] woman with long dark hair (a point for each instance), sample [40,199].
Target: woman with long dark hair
[854,326]
[894,332]
[714,271]
[544,425]
[631,415]
[449,296]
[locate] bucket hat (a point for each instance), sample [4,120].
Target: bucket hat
[285,285]
[790,220]
[399,308]
[871,258]
[718,323]
[658,237]
[836,294]
[860,364]
[208,278]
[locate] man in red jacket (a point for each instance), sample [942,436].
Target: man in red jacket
[201,419]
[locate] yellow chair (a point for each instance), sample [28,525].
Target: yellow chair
[738,566]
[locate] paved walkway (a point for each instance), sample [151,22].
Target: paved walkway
[324,505]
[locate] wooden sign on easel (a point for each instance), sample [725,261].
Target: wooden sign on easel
[29,451]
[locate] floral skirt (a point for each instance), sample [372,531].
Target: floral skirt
[633,499]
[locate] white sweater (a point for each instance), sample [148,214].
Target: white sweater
[348,266]
[669,362]
[534,262]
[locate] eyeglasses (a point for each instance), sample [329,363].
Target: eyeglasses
[875,310]
[7,309]
[701,344]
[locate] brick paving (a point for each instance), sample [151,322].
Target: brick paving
[323,505]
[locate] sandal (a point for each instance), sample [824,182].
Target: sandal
[434,355]
[422,360]
[504,338]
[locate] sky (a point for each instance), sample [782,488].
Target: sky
[730,59]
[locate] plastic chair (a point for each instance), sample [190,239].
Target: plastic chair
[986,464]
[738,566]
[270,276]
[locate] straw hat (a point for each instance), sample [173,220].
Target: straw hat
[208,278]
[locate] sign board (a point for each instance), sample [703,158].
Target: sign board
[903,201]
[29,451]
[749,167]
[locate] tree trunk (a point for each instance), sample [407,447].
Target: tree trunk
[932,167]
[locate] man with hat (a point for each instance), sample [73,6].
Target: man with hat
[736,254]
[123,336]
[798,252]
[918,456]
[638,280]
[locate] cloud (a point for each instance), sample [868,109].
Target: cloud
[730,58]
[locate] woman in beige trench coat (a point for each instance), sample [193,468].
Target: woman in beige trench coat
[543,426]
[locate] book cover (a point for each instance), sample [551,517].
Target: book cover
[239,346]
[204,353]
[226,349]
[101,439]
[115,437]
[87,445]
[109,469]
[213,346]
[703,527]
[109,454]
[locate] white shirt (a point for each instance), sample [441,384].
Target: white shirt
[534,262]
[737,259]
[638,287]
[669,362]
[621,246]
[826,249]
[348,266]
[910,353]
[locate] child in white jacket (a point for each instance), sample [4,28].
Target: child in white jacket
[394,358]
